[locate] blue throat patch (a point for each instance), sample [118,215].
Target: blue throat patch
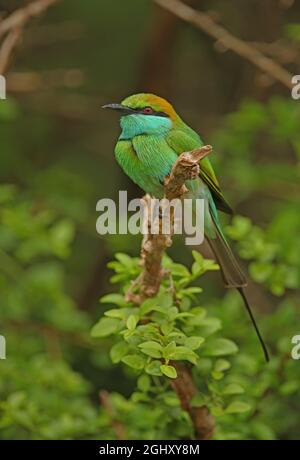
[136,125]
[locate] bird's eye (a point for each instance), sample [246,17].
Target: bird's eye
[148,111]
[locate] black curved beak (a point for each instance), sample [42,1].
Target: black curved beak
[119,107]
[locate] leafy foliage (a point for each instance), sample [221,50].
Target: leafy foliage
[171,327]
[41,396]
[234,384]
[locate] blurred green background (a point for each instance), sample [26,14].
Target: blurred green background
[57,161]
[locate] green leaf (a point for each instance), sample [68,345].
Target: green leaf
[115,313]
[132,322]
[169,371]
[172,313]
[153,368]
[189,292]
[144,383]
[169,349]
[179,270]
[171,399]
[139,397]
[116,299]
[147,306]
[239,228]
[221,365]
[151,344]
[125,260]
[165,300]
[233,389]
[184,315]
[198,258]
[167,328]
[105,327]
[153,308]
[219,347]
[151,352]
[208,325]
[194,342]
[199,400]
[118,351]
[292,31]
[197,269]
[61,235]
[151,348]
[260,271]
[199,313]
[217,375]
[210,265]
[262,431]
[119,278]
[237,407]
[288,388]
[217,411]
[135,361]
[184,354]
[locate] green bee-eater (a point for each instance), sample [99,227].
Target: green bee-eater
[152,137]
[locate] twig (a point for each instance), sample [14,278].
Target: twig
[227,40]
[135,283]
[186,167]
[19,17]
[7,48]
[13,26]
[285,52]
[153,247]
[117,425]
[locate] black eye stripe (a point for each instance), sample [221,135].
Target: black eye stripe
[141,111]
[154,113]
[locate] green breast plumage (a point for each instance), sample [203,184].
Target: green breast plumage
[146,159]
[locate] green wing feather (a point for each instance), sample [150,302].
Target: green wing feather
[185,139]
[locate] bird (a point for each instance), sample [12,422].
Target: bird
[152,137]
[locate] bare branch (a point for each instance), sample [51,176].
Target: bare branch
[7,48]
[185,168]
[285,52]
[13,26]
[19,17]
[153,247]
[186,389]
[227,40]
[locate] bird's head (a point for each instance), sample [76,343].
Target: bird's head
[145,114]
